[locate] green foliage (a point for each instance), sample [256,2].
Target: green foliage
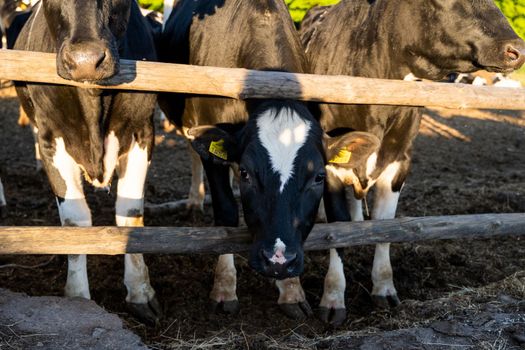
[155,5]
[298,8]
[514,10]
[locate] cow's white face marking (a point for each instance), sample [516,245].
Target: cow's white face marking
[282,135]
[279,245]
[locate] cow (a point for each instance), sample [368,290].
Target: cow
[393,39]
[91,133]
[278,146]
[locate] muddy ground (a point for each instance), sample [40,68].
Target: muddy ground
[465,162]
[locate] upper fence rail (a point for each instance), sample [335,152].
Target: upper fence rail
[240,83]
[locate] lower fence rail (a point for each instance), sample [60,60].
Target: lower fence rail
[110,240]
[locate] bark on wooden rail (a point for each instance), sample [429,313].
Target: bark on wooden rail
[190,240]
[242,84]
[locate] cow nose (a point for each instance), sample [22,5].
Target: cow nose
[278,264]
[87,61]
[514,55]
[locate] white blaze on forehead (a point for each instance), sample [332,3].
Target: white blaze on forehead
[282,135]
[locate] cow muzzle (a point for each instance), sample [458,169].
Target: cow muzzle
[279,264]
[86,61]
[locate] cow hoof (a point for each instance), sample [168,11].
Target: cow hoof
[333,317]
[386,302]
[148,313]
[231,307]
[298,311]
[3,212]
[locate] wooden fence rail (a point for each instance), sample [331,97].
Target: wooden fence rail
[120,240]
[242,84]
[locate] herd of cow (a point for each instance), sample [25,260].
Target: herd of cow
[289,155]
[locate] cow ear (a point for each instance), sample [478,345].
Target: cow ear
[215,144]
[351,149]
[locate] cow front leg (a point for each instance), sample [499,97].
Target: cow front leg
[225,212]
[332,309]
[197,191]
[3,202]
[292,299]
[384,293]
[65,179]
[130,212]
[224,292]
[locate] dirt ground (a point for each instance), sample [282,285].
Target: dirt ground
[456,294]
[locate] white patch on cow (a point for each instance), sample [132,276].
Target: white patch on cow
[282,135]
[346,176]
[479,81]
[77,284]
[411,77]
[385,205]
[38,158]
[68,169]
[111,150]
[290,291]
[130,190]
[279,245]
[2,195]
[371,164]
[225,282]
[334,283]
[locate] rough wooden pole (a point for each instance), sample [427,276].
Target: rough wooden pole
[190,240]
[243,84]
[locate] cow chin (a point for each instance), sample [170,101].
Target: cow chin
[273,264]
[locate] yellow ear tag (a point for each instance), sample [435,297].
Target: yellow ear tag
[217,149]
[342,157]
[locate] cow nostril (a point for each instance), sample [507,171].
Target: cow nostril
[101,58]
[512,53]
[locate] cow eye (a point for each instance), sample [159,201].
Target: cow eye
[244,174]
[319,178]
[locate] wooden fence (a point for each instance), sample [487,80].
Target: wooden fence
[244,84]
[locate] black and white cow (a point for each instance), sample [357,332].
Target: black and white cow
[89,133]
[278,145]
[393,39]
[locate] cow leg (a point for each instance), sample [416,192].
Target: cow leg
[197,192]
[385,204]
[292,299]
[65,179]
[223,294]
[3,203]
[129,212]
[332,307]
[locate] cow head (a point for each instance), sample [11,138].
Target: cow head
[281,157]
[86,33]
[444,36]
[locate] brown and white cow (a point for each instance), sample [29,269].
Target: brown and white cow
[393,39]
